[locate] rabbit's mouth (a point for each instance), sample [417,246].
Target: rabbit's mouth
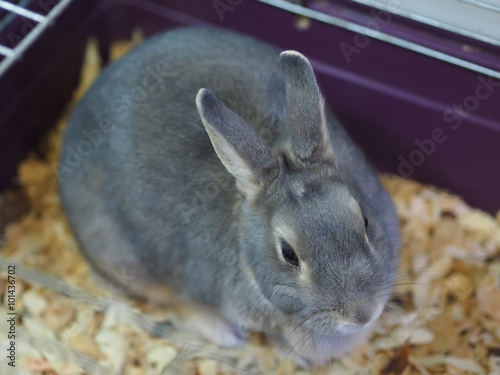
[348,329]
[339,331]
[317,349]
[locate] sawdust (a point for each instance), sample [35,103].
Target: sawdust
[444,316]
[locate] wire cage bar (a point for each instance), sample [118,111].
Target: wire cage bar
[9,54]
[305,11]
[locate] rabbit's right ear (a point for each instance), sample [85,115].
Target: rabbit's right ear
[304,105]
[240,148]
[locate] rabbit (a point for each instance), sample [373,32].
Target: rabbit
[203,171]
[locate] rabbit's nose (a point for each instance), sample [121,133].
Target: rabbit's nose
[361,319]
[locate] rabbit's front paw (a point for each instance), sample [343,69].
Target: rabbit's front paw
[210,325]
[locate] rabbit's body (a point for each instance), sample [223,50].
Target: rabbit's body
[157,213]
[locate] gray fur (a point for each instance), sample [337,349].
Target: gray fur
[156,210]
[305,114]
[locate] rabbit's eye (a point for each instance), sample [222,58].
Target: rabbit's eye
[366,221]
[289,254]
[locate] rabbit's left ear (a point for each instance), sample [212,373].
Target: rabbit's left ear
[240,148]
[305,110]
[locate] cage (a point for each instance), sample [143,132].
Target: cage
[416,85]
[418,91]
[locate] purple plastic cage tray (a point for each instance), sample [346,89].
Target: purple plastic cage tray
[415,114]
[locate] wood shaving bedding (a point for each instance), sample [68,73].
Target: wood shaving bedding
[443,318]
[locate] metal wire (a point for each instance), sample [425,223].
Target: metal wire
[481,4]
[21,11]
[6,19]
[372,33]
[12,54]
[433,22]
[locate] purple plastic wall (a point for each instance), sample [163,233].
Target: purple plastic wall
[390,99]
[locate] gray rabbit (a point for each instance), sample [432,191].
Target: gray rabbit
[247,207]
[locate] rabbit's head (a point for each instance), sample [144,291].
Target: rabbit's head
[312,244]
